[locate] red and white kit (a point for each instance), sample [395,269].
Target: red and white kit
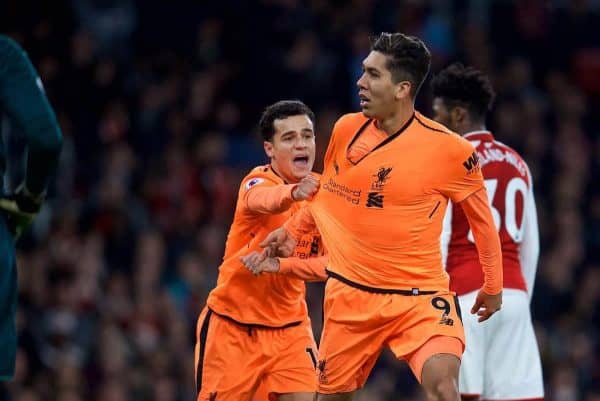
[501,360]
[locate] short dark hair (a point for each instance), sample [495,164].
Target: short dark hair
[408,58]
[464,86]
[280,110]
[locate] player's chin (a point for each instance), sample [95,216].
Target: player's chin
[302,170]
[300,173]
[367,111]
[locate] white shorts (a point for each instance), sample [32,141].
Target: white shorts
[501,359]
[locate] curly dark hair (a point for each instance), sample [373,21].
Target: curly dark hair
[280,110]
[408,58]
[464,86]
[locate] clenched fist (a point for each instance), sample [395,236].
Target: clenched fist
[306,188]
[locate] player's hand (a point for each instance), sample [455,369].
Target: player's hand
[306,188]
[20,209]
[258,262]
[486,305]
[278,243]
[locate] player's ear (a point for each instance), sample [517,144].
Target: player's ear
[268,146]
[403,89]
[458,114]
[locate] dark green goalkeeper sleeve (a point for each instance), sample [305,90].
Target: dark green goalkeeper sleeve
[23,100]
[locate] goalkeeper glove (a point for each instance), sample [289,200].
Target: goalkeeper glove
[20,209]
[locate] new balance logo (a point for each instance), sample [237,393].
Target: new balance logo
[472,162]
[447,320]
[375,199]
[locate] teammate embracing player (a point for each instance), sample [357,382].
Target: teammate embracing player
[255,330]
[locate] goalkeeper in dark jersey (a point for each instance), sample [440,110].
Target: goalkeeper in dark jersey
[25,107]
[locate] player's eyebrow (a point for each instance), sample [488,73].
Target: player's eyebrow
[370,70]
[290,132]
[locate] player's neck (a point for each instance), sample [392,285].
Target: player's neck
[473,128]
[393,123]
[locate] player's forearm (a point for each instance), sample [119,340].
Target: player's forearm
[270,199]
[477,211]
[300,223]
[24,101]
[311,269]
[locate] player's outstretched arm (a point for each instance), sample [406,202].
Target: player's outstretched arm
[278,243]
[477,211]
[310,269]
[282,241]
[273,199]
[270,199]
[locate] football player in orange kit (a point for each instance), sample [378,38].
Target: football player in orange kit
[255,330]
[389,173]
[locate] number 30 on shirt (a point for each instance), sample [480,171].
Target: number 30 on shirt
[514,229]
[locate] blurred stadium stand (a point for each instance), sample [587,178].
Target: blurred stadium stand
[158,102]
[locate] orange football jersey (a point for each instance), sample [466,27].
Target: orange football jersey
[381,214]
[264,203]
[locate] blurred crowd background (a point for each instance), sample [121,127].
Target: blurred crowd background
[158,102]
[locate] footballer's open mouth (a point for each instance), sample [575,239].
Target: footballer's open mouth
[301,161]
[363,99]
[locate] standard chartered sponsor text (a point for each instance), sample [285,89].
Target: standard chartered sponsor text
[349,194]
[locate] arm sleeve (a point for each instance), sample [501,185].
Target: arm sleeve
[530,246]
[310,269]
[23,99]
[487,241]
[461,175]
[302,222]
[269,199]
[446,233]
